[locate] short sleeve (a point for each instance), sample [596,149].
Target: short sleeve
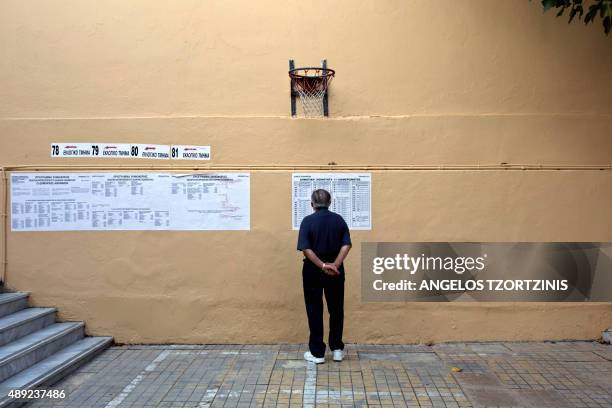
[303,237]
[346,235]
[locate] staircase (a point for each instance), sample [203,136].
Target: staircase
[35,350]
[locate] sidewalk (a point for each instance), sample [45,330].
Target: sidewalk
[534,374]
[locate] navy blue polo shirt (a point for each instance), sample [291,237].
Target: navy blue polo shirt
[325,232]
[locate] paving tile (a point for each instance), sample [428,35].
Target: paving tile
[546,374]
[492,397]
[477,380]
[560,356]
[541,398]
[488,348]
[605,353]
[408,360]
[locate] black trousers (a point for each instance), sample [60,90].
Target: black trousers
[316,283]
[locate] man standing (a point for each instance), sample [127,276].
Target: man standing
[325,240]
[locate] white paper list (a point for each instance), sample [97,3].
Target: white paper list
[129,201]
[351,196]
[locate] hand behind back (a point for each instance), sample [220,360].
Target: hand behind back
[331,269]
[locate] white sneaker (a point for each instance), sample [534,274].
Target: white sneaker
[338,355]
[317,360]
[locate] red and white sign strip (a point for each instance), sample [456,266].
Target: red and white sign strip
[114,150]
[129,151]
[151,151]
[74,150]
[183,152]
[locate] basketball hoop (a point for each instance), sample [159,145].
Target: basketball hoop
[310,84]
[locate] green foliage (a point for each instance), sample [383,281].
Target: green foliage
[597,9]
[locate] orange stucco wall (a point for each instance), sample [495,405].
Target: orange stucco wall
[418,84]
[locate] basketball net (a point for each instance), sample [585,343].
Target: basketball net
[311,86]
[312,103]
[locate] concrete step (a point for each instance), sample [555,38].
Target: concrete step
[13,302]
[52,369]
[29,350]
[24,322]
